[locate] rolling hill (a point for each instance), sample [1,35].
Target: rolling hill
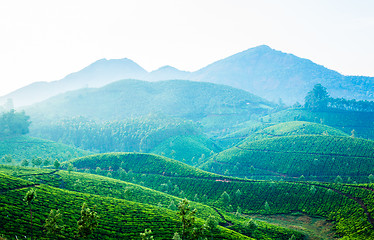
[361,122]
[118,218]
[25,147]
[187,149]
[316,157]
[133,98]
[343,204]
[253,130]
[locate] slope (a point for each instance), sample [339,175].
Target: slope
[316,157]
[345,205]
[24,147]
[96,74]
[109,187]
[188,149]
[117,218]
[361,122]
[133,98]
[273,74]
[253,130]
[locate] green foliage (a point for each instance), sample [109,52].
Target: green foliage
[119,219]
[56,164]
[87,222]
[317,99]
[188,149]
[24,147]
[147,235]
[53,225]
[30,196]
[316,157]
[346,121]
[13,123]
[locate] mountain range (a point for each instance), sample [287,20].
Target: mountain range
[263,71]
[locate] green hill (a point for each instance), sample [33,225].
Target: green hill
[134,98]
[24,147]
[117,218]
[109,187]
[313,156]
[252,131]
[361,122]
[294,128]
[139,163]
[345,205]
[188,149]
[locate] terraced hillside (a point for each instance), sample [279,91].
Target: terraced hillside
[294,128]
[348,206]
[252,131]
[188,149]
[316,157]
[361,122]
[24,147]
[118,219]
[109,187]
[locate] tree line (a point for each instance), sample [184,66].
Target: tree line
[318,99]
[14,123]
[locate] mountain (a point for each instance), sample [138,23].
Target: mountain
[167,73]
[273,74]
[97,74]
[133,98]
[261,70]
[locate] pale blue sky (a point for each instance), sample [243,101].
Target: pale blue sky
[46,40]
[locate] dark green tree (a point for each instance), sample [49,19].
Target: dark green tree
[37,161]
[53,224]
[87,222]
[29,198]
[24,163]
[317,99]
[189,229]
[56,164]
[13,123]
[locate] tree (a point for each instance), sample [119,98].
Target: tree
[29,198]
[70,167]
[147,235]
[189,230]
[53,224]
[87,222]
[225,198]
[24,163]
[338,179]
[187,217]
[267,207]
[56,164]
[13,123]
[176,236]
[317,99]
[371,178]
[7,159]
[37,161]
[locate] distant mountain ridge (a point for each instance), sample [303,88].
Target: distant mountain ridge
[97,74]
[261,70]
[135,98]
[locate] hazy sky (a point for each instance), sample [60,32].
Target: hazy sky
[46,40]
